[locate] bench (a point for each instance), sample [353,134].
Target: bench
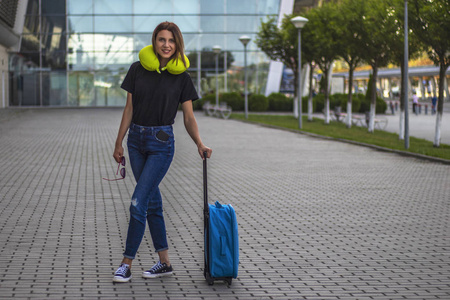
[380,123]
[223,110]
[337,114]
[358,120]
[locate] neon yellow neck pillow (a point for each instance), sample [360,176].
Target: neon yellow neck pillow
[150,62]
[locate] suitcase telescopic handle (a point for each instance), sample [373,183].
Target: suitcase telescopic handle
[205,184]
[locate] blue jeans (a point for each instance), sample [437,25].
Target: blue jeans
[151,153]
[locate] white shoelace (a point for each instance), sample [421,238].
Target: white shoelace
[122,270]
[157,267]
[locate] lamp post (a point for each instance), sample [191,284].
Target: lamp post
[299,22]
[244,40]
[216,49]
[405,77]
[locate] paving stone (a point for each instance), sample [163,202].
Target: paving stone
[318,219]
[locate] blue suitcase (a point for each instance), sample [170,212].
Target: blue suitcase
[221,239]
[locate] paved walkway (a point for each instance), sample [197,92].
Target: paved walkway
[318,219]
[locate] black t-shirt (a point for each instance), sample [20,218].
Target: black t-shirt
[156,96]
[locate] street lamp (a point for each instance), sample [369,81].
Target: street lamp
[216,49]
[244,40]
[299,22]
[405,77]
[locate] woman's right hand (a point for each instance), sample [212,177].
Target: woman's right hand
[118,153]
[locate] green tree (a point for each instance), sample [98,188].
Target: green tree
[280,43]
[376,34]
[430,21]
[321,31]
[415,48]
[349,44]
[308,54]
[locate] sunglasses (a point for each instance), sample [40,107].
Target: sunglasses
[122,170]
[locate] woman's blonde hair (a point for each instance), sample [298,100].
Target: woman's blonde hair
[179,42]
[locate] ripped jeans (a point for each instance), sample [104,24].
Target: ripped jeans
[151,151]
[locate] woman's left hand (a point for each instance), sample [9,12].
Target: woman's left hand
[202,148]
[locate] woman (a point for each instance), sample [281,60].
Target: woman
[156,84]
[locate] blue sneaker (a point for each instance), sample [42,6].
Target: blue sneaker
[123,274]
[158,270]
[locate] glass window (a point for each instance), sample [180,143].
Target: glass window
[80,6]
[212,23]
[153,7]
[192,41]
[113,43]
[239,6]
[81,24]
[142,40]
[185,7]
[56,42]
[210,40]
[107,89]
[269,7]
[55,60]
[187,23]
[81,88]
[81,42]
[233,42]
[148,23]
[54,88]
[113,61]
[241,24]
[52,7]
[81,60]
[113,7]
[31,24]
[216,7]
[113,23]
[30,42]
[53,24]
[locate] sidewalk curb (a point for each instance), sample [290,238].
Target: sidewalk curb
[379,148]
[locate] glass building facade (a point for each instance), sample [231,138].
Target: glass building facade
[77,52]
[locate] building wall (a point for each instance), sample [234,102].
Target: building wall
[77,52]
[4,95]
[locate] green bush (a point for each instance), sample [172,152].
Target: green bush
[336,100]
[305,104]
[198,104]
[380,108]
[319,101]
[279,102]
[257,102]
[341,100]
[235,100]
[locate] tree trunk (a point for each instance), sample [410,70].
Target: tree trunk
[310,96]
[401,132]
[350,94]
[296,91]
[440,110]
[373,99]
[327,97]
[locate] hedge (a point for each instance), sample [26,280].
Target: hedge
[235,100]
[257,102]
[279,102]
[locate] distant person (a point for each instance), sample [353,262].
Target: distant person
[433,105]
[415,103]
[156,85]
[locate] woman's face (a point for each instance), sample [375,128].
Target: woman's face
[165,46]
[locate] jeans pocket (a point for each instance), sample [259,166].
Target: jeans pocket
[162,136]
